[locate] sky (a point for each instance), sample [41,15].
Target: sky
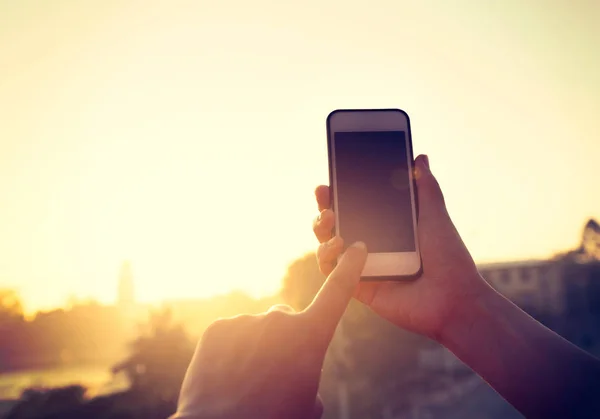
[188,136]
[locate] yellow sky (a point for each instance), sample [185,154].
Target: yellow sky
[188,136]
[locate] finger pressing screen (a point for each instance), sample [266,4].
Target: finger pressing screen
[322,195]
[329,305]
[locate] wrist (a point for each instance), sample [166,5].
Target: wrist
[468,314]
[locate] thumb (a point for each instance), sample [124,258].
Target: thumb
[430,196]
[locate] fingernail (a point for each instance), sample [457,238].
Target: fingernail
[359,245]
[426,160]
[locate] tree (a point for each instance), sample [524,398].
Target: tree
[48,403]
[13,329]
[302,282]
[11,308]
[159,358]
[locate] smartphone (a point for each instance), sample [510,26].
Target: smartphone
[373,191]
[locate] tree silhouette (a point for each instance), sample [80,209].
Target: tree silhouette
[10,307]
[13,329]
[159,357]
[302,281]
[48,403]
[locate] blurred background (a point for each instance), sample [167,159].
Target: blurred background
[157,167]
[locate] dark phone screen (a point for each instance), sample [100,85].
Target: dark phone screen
[373,190]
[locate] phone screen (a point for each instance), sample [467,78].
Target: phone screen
[373,191]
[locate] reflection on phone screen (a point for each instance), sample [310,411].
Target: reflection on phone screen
[373,190]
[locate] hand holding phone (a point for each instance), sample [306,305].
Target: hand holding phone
[449,283]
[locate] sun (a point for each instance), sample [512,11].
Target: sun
[194,218]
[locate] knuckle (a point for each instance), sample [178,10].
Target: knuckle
[280,322]
[277,316]
[282,307]
[324,218]
[329,251]
[321,250]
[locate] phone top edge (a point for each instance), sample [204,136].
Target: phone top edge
[367,110]
[381,110]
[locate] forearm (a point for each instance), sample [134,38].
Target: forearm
[534,369]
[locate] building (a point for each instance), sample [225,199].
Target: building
[590,243]
[126,290]
[556,287]
[536,285]
[131,311]
[563,292]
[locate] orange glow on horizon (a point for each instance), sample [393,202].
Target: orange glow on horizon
[189,139]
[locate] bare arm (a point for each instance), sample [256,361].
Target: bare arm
[537,371]
[534,369]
